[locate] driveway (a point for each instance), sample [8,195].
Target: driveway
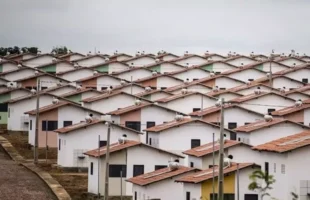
[18,183]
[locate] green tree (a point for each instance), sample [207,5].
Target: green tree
[60,50]
[262,182]
[17,50]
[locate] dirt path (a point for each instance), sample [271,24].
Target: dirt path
[18,183]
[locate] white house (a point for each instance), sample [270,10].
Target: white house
[287,159]
[99,81]
[80,94]
[38,60]
[291,61]
[281,81]
[130,88]
[250,88]
[128,158]
[245,74]
[90,60]
[190,74]
[214,56]
[19,73]
[185,133]
[301,73]
[61,89]
[17,120]
[56,66]
[140,60]
[272,101]
[293,94]
[111,101]
[220,82]
[160,184]
[133,74]
[166,56]
[164,67]
[119,56]
[193,86]
[265,66]
[189,60]
[240,60]
[7,65]
[226,94]
[71,56]
[264,131]
[217,66]
[76,74]
[235,182]
[159,81]
[71,149]
[110,66]
[56,115]
[213,115]
[142,116]
[187,102]
[154,95]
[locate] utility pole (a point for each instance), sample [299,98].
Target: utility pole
[270,72]
[98,166]
[221,155]
[36,139]
[107,158]
[213,170]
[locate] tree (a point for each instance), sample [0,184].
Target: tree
[60,50]
[16,50]
[262,182]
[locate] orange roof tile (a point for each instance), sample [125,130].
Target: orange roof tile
[206,149]
[180,95]
[289,110]
[285,144]
[255,96]
[159,175]
[207,174]
[263,124]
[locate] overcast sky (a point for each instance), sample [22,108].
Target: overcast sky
[173,25]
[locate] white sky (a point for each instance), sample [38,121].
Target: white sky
[172,25]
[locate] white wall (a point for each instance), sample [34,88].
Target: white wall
[169,67]
[195,60]
[76,75]
[242,116]
[39,61]
[158,95]
[252,89]
[169,57]
[8,67]
[290,62]
[273,100]
[222,67]
[297,96]
[91,61]
[15,121]
[187,103]
[72,146]
[106,81]
[192,74]
[194,189]
[247,74]
[19,93]
[244,60]
[19,74]
[63,66]
[139,62]
[194,88]
[135,74]
[227,96]
[75,57]
[135,89]
[166,81]
[62,90]
[284,82]
[223,82]
[275,67]
[116,67]
[307,117]
[299,74]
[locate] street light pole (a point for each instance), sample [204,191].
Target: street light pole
[36,139]
[107,158]
[221,155]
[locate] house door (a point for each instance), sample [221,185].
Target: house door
[250,197]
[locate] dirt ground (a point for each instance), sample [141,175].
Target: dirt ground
[20,142]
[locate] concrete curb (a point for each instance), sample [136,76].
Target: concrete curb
[56,188]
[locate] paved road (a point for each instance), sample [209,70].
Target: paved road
[18,183]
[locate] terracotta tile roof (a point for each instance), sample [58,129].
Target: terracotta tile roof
[118,147]
[274,76]
[130,70]
[290,109]
[165,54]
[287,58]
[89,56]
[186,69]
[207,55]
[159,175]
[108,95]
[255,96]
[186,56]
[264,124]
[38,56]
[54,62]
[96,76]
[180,95]
[137,57]
[207,149]
[174,123]
[74,70]
[119,54]
[70,54]
[285,144]
[186,85]
[82,90]
[40,75]
[219,92]
[207,174]
[293,69]
[14,89]
[247,86]
[163,62]
[30,96]
[214,109]
[238,56]
[24,67]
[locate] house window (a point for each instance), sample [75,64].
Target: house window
[233,136]
[59,144]
[270,110]
[153,88]
[282,168]
[246,123]
[250,79]
[250,197]
[222,88]
[232,125]
[67,123]
[8,112]
[274,167]
[138,170]
[133,125]
[87,87]
[192,164]
[30,125]
[157,167]
[102,143]
[196,109]
[104,88]
[226,196]
[195,79]
[136,196]
[267,168]
[115,170]
[91,168]
[304,80]
[43,88]
[195,143]
[150,124]
[3,107]
[150,141]
[188,196]
[163,88]
[51,125]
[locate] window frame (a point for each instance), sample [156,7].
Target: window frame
[64,122]
[91,168]
[193,142]
[112,170]
[136,168]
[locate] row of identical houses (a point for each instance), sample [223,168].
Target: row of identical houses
[164,118]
